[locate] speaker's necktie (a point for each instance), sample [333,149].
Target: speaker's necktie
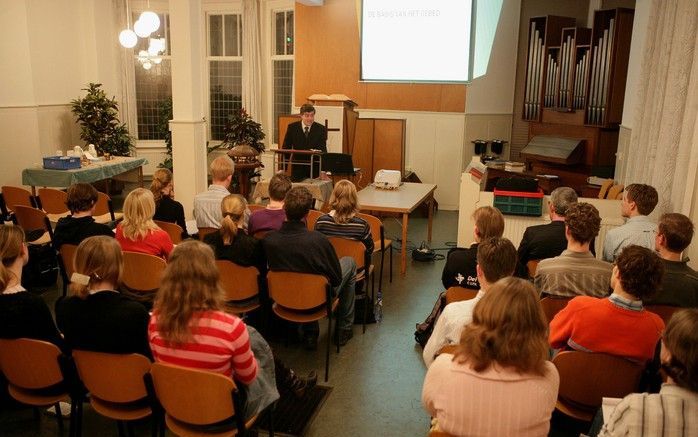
[307,131]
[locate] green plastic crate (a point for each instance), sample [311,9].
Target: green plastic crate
[519,202]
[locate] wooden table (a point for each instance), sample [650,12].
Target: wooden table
[403,200]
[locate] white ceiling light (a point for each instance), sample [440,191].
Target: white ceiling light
[141,29]
[151,20]
[128,38]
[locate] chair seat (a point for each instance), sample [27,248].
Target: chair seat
[106,218]
[238,308]
[571,411]
[44,239]
[377,244]
[31,397]
[53,218]
[303,317]
[120,411]
[186,430]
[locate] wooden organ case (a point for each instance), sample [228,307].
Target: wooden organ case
[575,87]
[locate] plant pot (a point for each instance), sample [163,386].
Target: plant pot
[243,154]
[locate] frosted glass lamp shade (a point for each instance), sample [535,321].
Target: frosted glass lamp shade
[147,65]
[151,20]
[156,60]
[141,29]
[128,38]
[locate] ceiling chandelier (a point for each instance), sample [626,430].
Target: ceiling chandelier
[147,23]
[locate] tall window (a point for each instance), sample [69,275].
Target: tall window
[282,67]
[153,85]
[224,59]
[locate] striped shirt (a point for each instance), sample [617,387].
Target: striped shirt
[574,274]
[219,343]
[355,228]
[671,412]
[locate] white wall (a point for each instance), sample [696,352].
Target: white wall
[637,47]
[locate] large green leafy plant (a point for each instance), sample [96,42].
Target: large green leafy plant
[241,129]
[98,116]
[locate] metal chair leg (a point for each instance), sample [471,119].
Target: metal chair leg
[59,417]
[391,264]
[329,339]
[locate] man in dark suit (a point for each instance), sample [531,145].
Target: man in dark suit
[548,241]
[305,135]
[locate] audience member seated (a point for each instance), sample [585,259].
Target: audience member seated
[97,317]
[138,232]
[576,271]
[166,208]
[22,313]
[672,411]
[342,221]
[189,327]
[680,284]
[82,199]
[617,325]
[460,264]
[548,241]
[272,217]
[294,248]
[207,205]
[638,202]
[499,381]
[496,259]
[231,242]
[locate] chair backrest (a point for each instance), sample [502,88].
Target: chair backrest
[298,291]
[172,229]
[67,253]
[16,196]
[193,396]
[376,226]
[113,377]
[255,207]
[352,248]
[205,231]
[30,364]
[457,294]
[104,206]
[553,305]
[313,215]
[438,433]
[142,272]
[587,377]
[532,267]
[604,188]
[663,311]
[53,201]
[615,191]
[32,219]
[239,282]
[261,234]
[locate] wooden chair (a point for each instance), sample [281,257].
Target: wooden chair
[615,192]
[532,267]
[380,243]
[32,219]
[35,377]
[13,196]
[457,294]
[66,259]
[312,217]
[604,188]
[552,305]
[663,311]
[255,207]
[104,210]
[435,432]
[303,298]
[356,250]
[53,202]
[195,400]
[586,377]
[172,229]
[116,385]
[142,273]
[205,231]
[261,234]
[241,285]
[448,349]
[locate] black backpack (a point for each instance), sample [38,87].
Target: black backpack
[42,268]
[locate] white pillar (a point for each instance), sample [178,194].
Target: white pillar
[188,126]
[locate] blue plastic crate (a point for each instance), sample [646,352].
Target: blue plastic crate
[61,162]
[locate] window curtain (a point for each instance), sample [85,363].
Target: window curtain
[251,59]
[661,151]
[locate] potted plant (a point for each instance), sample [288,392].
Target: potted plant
[98,116]
[243,137]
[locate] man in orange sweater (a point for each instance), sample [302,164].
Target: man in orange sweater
[617,325]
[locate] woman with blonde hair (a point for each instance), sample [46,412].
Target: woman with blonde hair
[189,327]
[166,208]
[342,221]
[22,314]
[138,232]
[97,317]
[231,242]
[499,381]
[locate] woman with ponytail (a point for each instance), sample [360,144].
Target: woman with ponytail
[22,314]
[499,381]
[166,208]
[97,317]
[231,242]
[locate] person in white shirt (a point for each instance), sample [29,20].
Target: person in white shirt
[638,202]
[496,259]
[207,205]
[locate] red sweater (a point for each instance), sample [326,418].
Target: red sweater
[157,242]
[598,325]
